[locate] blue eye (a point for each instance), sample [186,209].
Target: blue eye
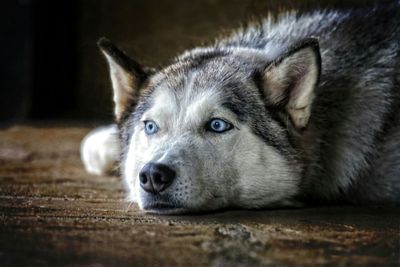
[150,127]
[218,126]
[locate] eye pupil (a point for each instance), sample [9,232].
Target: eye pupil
[218,126]
[150,127]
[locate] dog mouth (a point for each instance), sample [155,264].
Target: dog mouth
[159,207]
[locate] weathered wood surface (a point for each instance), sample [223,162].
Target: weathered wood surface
[54,214]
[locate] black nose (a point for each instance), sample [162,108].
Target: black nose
[155,177]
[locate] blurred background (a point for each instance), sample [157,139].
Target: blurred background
[51,69]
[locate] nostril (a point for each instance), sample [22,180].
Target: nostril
[167,174]
[143,178]
[157,178]
[145,182]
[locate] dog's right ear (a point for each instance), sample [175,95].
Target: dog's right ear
[126,74]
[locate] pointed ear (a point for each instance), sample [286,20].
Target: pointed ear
[291,79]
[126,75]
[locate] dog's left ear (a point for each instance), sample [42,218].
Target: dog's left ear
[291,79]
[127,76]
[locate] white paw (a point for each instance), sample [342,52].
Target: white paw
[100,150]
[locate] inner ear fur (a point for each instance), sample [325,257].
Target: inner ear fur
[127,76]
[291,79]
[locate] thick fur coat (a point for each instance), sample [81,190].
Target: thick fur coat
[311,105]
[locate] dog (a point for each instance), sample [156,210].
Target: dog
[299,109]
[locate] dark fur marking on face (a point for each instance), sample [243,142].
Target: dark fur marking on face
[253,112]
[130,118]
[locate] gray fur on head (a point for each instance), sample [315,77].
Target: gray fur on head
[314,103]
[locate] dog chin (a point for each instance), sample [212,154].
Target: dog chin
[164,208]
[161,205]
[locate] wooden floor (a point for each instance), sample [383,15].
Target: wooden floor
[54,214]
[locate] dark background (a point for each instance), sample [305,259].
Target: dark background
[51,69]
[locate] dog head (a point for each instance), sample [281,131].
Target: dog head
[214,128]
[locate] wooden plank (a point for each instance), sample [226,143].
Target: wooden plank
[54,214]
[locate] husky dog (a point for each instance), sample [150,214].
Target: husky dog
[304,108]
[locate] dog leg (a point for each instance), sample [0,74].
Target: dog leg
[100,150]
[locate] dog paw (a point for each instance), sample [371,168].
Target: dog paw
[100,150]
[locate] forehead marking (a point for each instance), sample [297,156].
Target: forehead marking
[187,106]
